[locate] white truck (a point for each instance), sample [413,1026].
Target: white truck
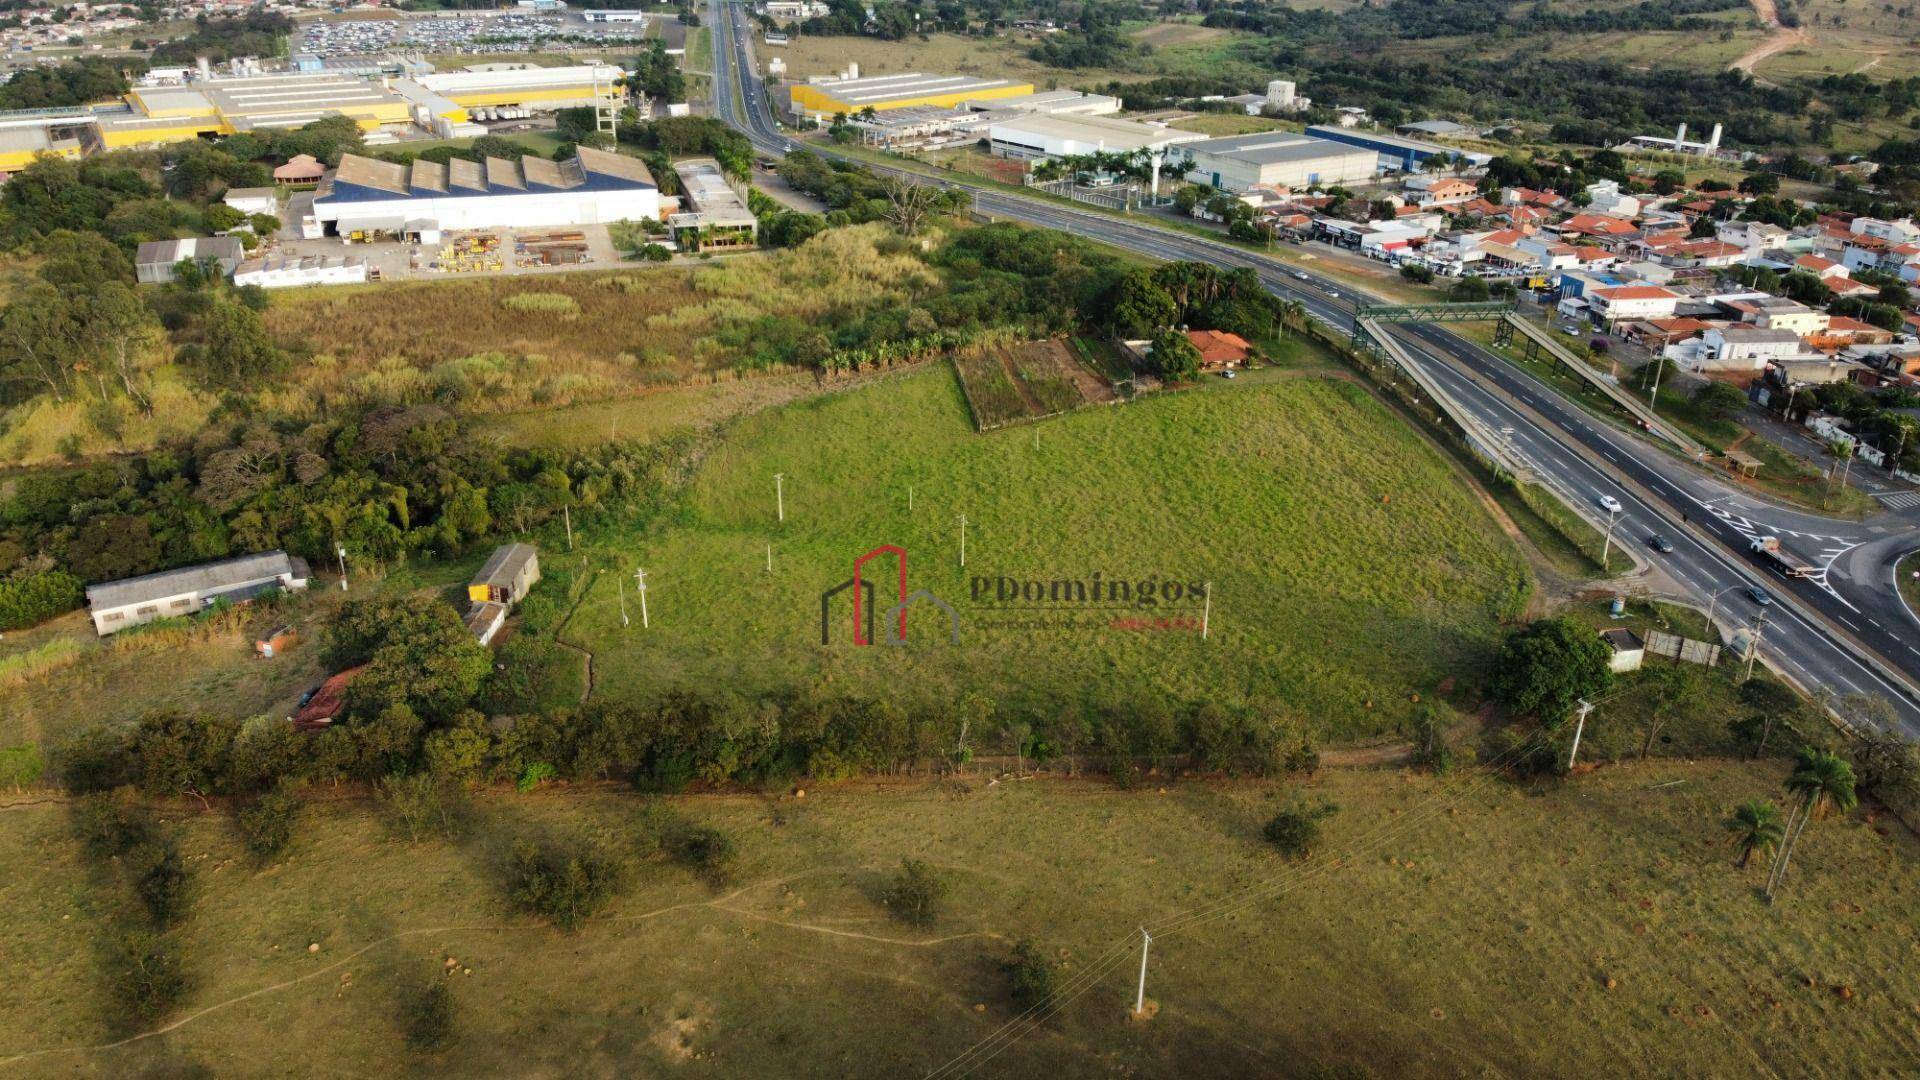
[1770,550]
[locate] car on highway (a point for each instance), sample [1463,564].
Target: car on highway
[1333,294]
[1758,595]
[1608,503]
[1301,274]
[1660,544]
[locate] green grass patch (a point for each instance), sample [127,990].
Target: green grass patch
[1350,568]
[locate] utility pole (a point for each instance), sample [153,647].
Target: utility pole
[640,580]
[1206,612]
[963,539]
[1579,728]
[1653,396]
[1140,995]
[1753,646]
[780,494]
[909,498]
[566,514]
[1606,548]
[341,551]
[621,585]
[769,558]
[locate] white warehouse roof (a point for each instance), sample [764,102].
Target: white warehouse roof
[1066,135]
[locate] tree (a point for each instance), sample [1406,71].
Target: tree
[1548,667]
[909,204]
[565,883]
[1469,290]
[1821,781]
[267,823]
[1754,825]
[915,893]
[1675,690]
[1760,184]
[1718,401]
[1034,978]
[220,217]
[1173,356]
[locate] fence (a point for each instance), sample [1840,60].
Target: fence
[1677,648]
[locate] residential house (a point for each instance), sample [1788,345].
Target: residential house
[1625,303]
[300,169]
[1605,197]
[117,605]
[502,582]
[1219,349]
[1752,236]
[253,200]
[1742,348]
[1441,190]
[1821,267]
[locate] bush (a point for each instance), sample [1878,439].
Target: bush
[654,253]
[1294,831]
[420,806]
[145,977]
[427,1014]
[267,823]
[30,599]
[20,766]
[111,825]
[540,303]
[565,883]
[93,760]
[1033,976]
[702,849]
[1417,273]
[915,893]
[159,880]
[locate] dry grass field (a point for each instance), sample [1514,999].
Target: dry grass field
[1447,927]
[476,344]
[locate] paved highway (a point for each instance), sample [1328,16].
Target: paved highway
[1843,631]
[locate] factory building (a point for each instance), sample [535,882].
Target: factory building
[1397,153]
[376,197]
[825,99]
[201,104]
[20,145]
[1041,135]
[1272,159]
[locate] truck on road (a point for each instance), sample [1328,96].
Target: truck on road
[1770,550]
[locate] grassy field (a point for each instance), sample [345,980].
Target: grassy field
[1234,124]
[1909,583]
[1450,927]
[1350,568]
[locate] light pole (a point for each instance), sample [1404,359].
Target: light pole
[341,551]
[640,582]
[1714,603]
[1753,644]
[1606,547]
[780,494]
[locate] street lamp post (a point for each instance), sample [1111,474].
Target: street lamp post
[1606,547]
[1713,604]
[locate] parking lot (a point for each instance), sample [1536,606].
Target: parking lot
[479,33]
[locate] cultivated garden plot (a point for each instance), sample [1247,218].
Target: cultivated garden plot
[1009,383]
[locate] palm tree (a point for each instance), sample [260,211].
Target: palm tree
[1755,825]
[1822,781]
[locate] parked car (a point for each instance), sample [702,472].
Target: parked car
[306,696]
[1610,504]
[1660,544]
[1758,595]
[1228,374]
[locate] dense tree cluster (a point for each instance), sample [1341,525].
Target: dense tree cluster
[257,33]
[76,82]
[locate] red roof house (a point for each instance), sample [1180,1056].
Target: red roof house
[1219,349]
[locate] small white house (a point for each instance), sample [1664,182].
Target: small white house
[253,200]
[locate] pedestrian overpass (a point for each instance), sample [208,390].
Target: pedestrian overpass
[1534,341]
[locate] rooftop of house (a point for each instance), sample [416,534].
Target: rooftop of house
[505,564]
[204,578]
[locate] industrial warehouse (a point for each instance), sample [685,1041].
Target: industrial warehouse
[378,198]
[203,103]
[1274,159]
[848,96]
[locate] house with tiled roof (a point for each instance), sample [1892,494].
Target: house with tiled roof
[1220,349]
[1632,302]
[1820,266]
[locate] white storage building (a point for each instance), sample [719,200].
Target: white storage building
[117,605]
[1048,135]
[296,271]
[364,195]
[1273,159]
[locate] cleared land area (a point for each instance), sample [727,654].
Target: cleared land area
[1351,569]
[491,345]
[1447,927]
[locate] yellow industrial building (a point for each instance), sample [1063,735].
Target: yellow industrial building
[228,105]
[822,100]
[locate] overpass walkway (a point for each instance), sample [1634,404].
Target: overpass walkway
[1538,341]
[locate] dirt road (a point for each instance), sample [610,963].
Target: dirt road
[1781,40]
